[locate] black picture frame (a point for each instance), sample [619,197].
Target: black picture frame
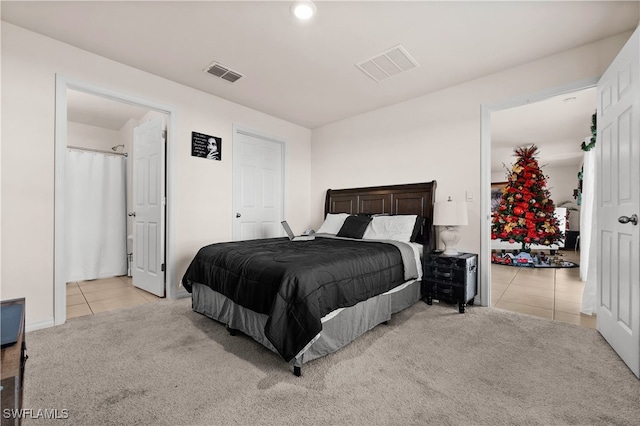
[496,194]
[206,146]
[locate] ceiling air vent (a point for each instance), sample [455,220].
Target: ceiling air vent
[388,64]
[223,72]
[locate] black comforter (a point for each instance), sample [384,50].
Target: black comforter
[296,283]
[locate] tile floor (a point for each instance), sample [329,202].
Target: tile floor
[91,297]
[545,292]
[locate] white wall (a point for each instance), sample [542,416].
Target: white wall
[561,181]
[29,65]
[437,136]
[85,136]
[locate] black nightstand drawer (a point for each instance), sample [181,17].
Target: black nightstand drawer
[445,291]
[443,272]
[440,260]
[452,279]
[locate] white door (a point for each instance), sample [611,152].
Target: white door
[257,186]
[149,206]
[617,201]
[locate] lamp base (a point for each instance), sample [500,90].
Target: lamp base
[450,238]
[450,252]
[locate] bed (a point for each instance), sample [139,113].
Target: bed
[304,300]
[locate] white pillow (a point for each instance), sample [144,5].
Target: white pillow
[398,228]
[333,223]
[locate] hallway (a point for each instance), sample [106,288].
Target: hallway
[544,292]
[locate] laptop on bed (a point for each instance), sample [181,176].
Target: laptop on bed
[292,237]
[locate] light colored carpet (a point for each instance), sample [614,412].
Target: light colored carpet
[163,364]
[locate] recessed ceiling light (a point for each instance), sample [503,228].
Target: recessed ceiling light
[303,10]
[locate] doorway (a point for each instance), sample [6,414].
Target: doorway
[486,175]
[101,136]
[556,125]
[66,88]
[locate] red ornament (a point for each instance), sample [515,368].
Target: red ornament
[518,210]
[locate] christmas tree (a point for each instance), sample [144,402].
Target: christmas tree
[526,213]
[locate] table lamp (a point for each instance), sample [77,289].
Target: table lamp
[450,214]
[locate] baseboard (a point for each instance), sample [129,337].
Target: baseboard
[37,325]
[181,294]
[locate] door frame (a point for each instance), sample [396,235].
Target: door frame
[285,155]
[64,83]
[485,168]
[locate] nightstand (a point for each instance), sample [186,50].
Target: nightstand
[451,279]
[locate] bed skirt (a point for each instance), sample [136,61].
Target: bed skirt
[338,327]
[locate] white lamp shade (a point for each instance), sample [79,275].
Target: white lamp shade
[450,213]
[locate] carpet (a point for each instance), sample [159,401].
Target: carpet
[162,364]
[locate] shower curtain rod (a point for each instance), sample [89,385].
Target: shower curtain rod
[97,150]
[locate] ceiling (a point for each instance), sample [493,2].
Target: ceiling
[557,126]
[305,72]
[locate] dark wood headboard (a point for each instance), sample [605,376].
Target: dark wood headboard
[411,198]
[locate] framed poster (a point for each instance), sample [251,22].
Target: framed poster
[206,146]
[496,194]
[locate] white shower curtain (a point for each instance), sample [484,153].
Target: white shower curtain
[588,218]
[95,215]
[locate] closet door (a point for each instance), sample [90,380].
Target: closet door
[258,186]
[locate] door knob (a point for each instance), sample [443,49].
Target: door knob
[131,214]
[238,215]
[625,219]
